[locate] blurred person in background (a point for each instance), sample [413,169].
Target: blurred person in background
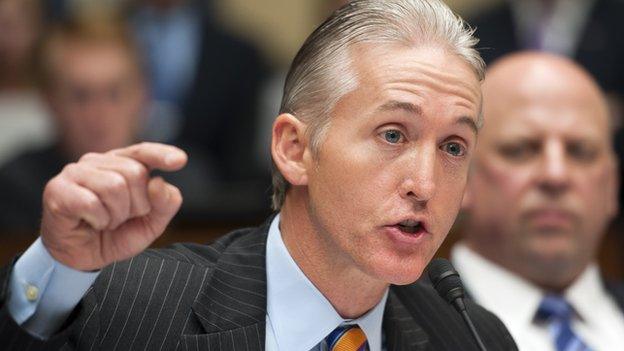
[540,195]
[91,77]
[204,83]
[588,31]
[23,116]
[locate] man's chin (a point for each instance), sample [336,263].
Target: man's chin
[554,259]
[399,274]
[554,248]
[403,281]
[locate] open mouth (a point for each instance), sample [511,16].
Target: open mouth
[408,233]
[410,226]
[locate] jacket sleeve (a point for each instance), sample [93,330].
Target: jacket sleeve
[79,331]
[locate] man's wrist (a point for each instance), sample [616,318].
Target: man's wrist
[63,257]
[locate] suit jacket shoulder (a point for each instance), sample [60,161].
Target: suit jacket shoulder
[433,322]
[22,180]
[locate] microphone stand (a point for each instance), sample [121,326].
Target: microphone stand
[447,283]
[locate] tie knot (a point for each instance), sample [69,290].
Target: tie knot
[347,338]
[554,307]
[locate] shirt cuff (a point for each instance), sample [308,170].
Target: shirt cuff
[43,291]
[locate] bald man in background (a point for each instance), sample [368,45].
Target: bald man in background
[541,193]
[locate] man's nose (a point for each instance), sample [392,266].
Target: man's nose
[555,170]
[419,175]
[98,107]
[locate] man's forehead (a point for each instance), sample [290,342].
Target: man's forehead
[551,90]
[417,70]
[544,123]
[377,60]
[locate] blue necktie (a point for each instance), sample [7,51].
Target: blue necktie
[557,312]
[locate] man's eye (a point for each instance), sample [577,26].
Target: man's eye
[393,136]
[519,152]
[582,152]
[454,149]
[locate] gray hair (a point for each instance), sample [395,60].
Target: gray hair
[321,72]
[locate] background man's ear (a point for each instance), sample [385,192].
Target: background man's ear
[614,187]
[468,198]
[289,148]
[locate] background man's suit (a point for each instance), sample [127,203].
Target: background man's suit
[199,297]
[616,289]
[600,47]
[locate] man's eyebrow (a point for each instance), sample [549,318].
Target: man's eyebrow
[470,122]
[400,105]
[415,109]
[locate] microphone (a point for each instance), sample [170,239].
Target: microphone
[447,283]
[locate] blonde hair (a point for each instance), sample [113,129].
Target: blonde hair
[87,28]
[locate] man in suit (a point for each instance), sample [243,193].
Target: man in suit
[380,114]
[91,78]
[587,31]
[584,30]
[541,192]
[203,80]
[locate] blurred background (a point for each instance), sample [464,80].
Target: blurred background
[90,75]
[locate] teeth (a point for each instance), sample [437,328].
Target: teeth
[409,223]
[410,226]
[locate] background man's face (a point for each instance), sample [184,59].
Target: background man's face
[97,96]
[397,149]
[543,186]
[18,31]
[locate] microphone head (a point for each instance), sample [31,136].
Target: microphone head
[445,280]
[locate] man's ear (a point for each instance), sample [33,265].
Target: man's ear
[289,148]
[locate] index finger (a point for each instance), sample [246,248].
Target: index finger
[155,155]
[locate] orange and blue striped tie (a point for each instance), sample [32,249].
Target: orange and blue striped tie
[347,338]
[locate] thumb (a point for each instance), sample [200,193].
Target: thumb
[166,200]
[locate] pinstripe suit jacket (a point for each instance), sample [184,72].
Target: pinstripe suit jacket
[200,297]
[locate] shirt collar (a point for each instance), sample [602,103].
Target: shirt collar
[512,298]
[585,291]
[494,286]
[300,315]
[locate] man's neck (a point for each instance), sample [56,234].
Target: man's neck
[350,291]
[554,277]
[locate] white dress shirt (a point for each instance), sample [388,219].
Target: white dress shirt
[599,322]
[43,292]
[299,317]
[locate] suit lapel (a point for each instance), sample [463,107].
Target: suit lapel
[617,291]
[401,330]
[232,306]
